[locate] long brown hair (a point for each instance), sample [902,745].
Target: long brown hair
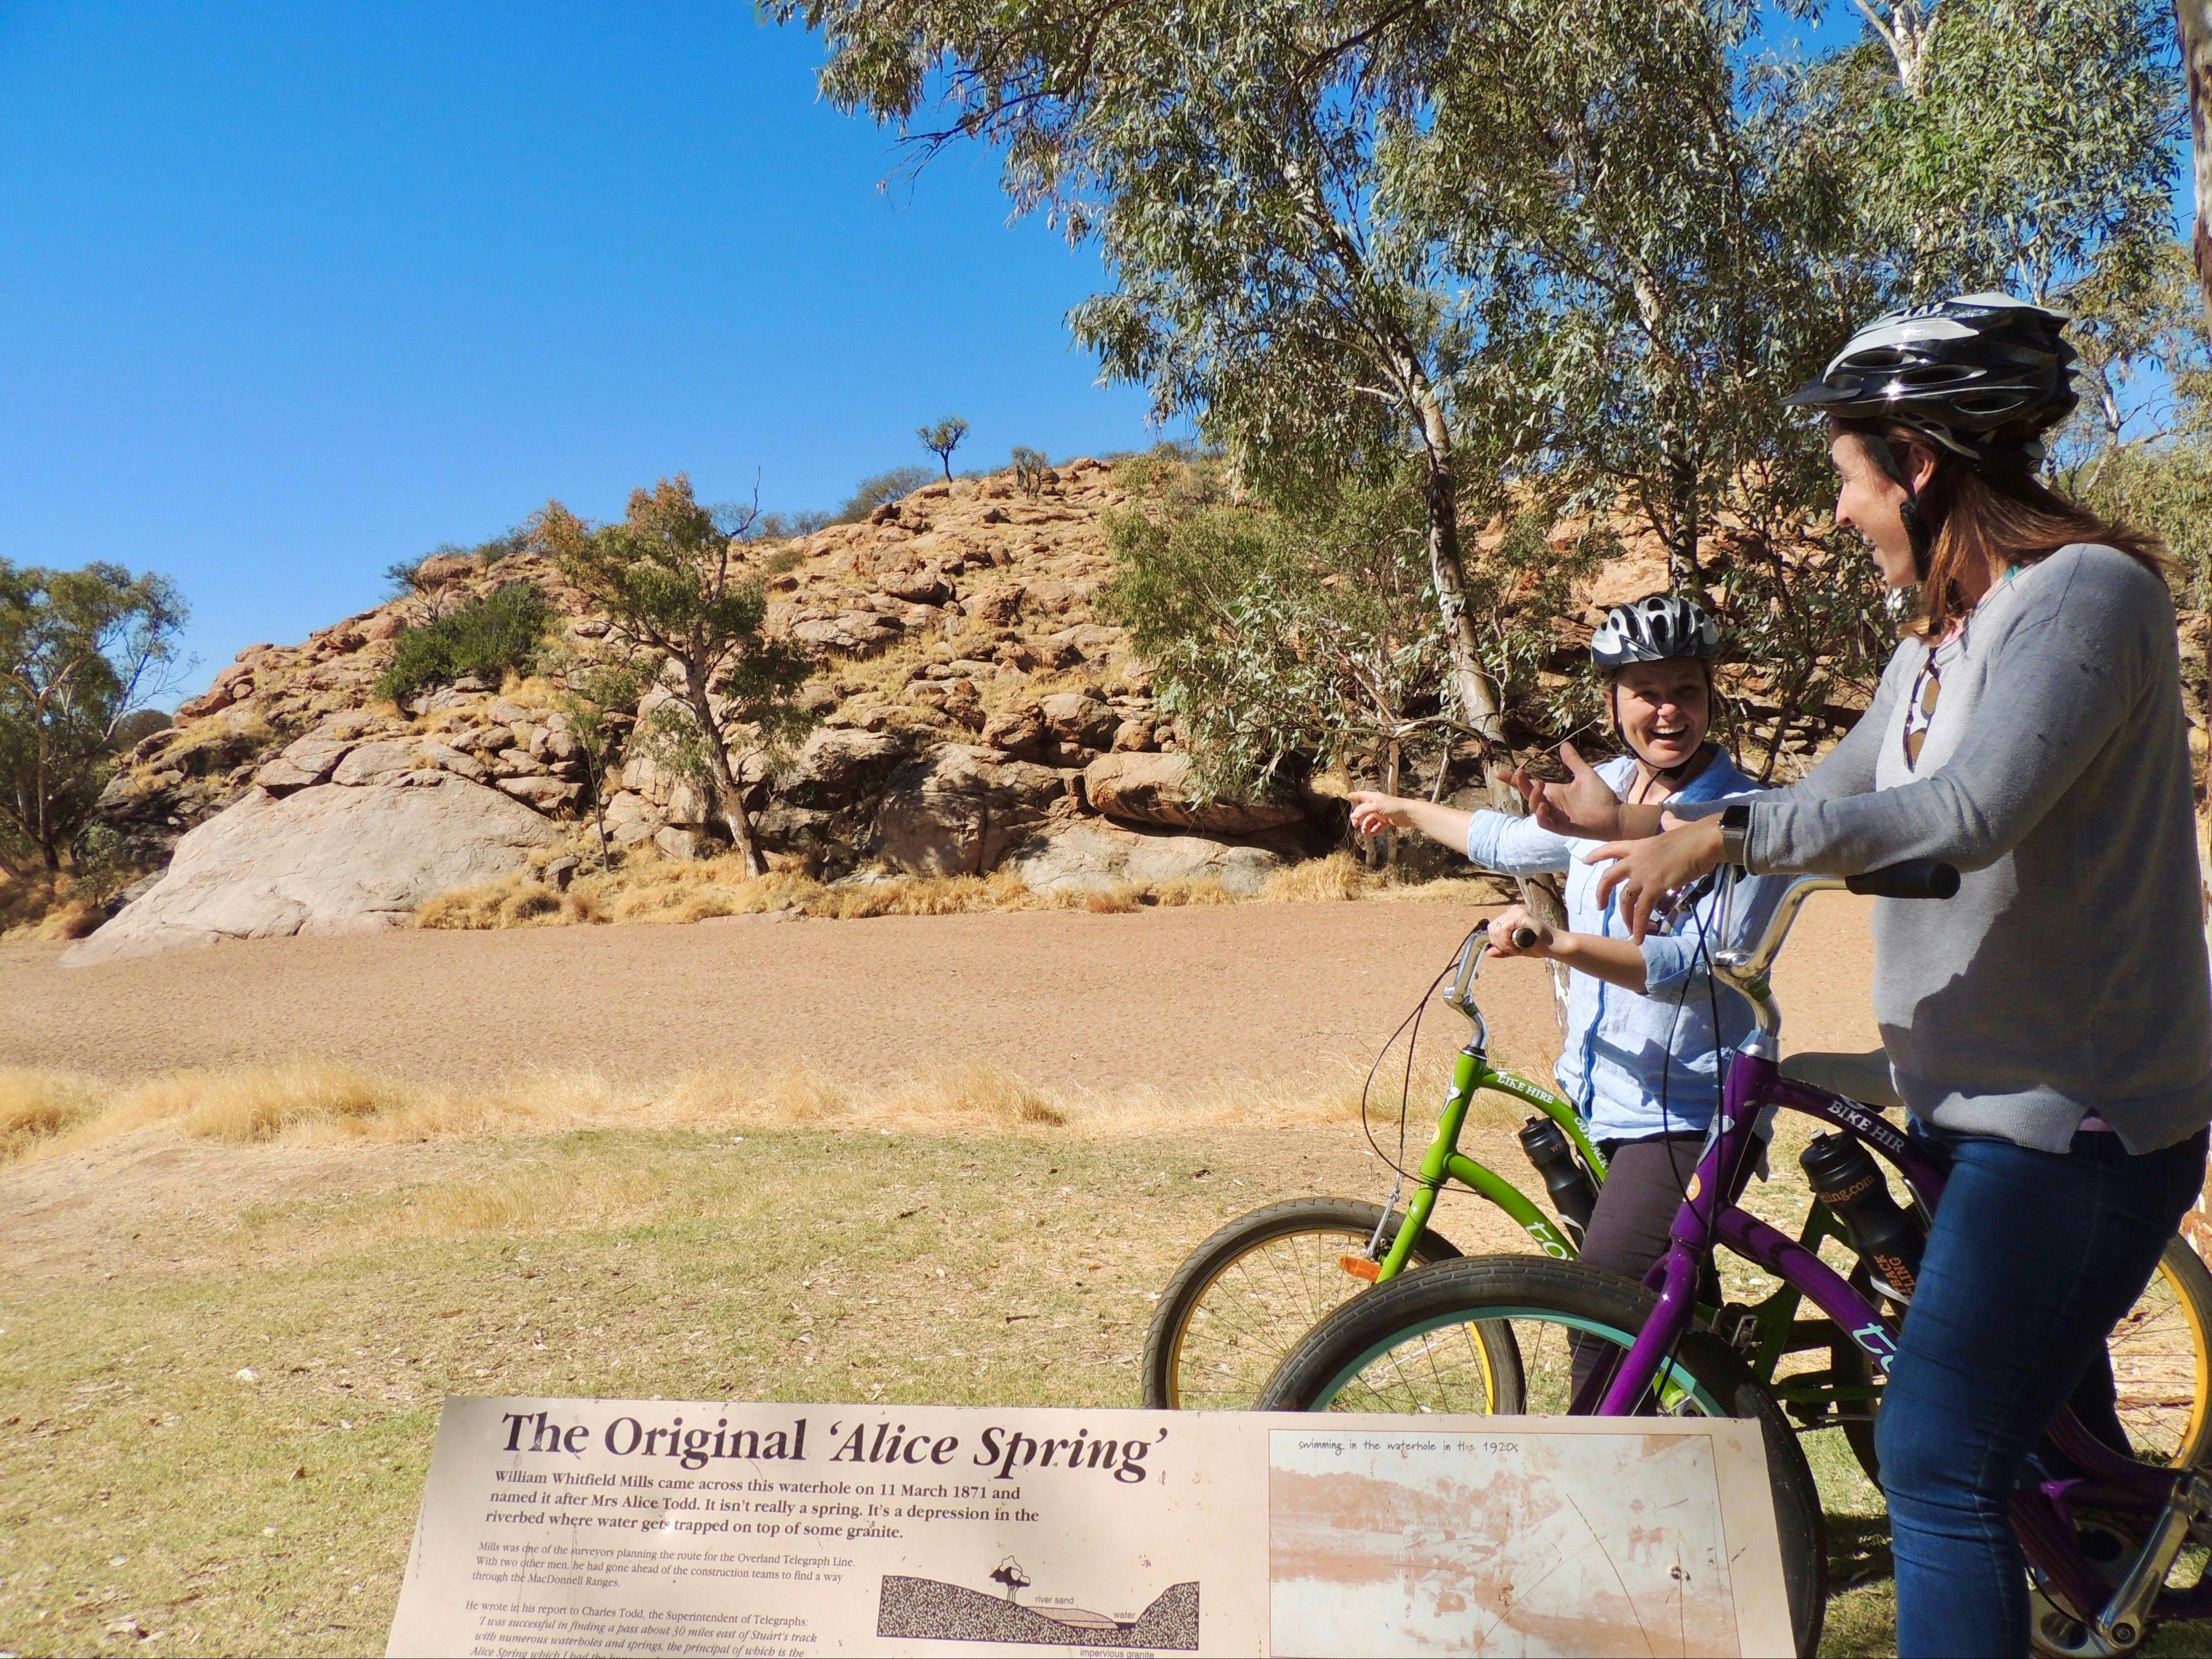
[1989,519]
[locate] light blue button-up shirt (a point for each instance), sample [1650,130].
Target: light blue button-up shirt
[1640,1066]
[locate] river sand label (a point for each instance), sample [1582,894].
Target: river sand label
[575,1527]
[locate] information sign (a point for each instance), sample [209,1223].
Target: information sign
[572,1527]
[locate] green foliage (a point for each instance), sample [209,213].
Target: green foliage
[138,725]
[1811,625]
[2021,144]
[486,637]
[81,652]
[2165,489]
[1029,468]
[1179,476]
[942,438]
[677,592]
[876,488]
[1285,640]
[596,705]
[1679,265]
[784,560]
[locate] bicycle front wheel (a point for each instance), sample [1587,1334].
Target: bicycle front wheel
[1244,1297]
[1413,1345]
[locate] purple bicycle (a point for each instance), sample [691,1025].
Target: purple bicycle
[2116,1546]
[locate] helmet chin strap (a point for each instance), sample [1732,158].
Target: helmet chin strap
[1908,510]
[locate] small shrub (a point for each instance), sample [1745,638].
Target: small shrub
[38,1105]
[486,637]
[783,560]
[873,491]
[1029,470]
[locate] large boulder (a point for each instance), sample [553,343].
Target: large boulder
[1157,789]
[960,809]
[325,859]
[1019,729]
[823,803]
[839,766]
[1078,721]
[1083,854]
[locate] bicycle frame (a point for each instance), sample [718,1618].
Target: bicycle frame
[2115,1617]
[1443,1161]
[1778,1332]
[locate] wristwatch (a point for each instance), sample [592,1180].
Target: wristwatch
[1736,825]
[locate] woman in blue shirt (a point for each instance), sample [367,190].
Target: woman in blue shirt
[1648,1036]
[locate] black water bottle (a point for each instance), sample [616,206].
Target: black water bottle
[1573,1193]
[1845,1178]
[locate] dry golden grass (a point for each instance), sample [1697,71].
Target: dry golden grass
[647,887]
[46,906]
[1335,877]
[36,1106]
[45,1114]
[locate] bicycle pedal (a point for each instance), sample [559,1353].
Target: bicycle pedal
[1360,1268]
[1738,1326]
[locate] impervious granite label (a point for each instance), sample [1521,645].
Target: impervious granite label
[568,1527]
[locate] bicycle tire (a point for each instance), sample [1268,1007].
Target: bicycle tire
[1519,1293]
[2162,1352]
[1335,1227]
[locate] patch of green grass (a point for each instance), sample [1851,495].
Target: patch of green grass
[140,1479]
[144,1486]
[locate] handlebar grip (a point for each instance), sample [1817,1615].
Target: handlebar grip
[1523,937]
[1916,878]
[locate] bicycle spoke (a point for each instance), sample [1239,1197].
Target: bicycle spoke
[1256,1308]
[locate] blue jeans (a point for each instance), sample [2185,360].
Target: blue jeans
[2033,1258]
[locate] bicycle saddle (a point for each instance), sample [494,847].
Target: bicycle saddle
[1861,1077]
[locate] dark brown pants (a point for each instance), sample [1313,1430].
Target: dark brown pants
[1630,1228]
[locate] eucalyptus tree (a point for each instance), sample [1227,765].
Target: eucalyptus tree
[1679,254]
[2194,18]
[679,594]
[81,652]
[2023,144]
[1251,172]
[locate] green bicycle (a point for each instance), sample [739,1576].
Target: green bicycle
[1244,1297]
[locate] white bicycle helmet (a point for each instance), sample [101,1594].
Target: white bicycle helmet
[1984,375]
[1660,628]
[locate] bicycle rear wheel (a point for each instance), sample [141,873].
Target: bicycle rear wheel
[1241,1301]
[1414,1345]
[2162,1361]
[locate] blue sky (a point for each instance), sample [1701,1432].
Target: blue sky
[289,292]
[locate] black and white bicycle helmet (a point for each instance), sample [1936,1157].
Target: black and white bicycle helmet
[1660,628]
[1982,374]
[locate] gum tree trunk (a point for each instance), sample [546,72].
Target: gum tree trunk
[1478,693]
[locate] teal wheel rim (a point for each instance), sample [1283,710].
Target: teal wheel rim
[1672,1379]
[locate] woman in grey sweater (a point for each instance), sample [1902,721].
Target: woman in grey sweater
[2051,1026]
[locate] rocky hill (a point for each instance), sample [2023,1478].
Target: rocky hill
[975,715]
[974,712]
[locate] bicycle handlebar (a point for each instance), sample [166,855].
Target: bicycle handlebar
[1916,878]
[1745,970]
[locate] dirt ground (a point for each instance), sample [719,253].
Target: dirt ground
[1065,999]
[1275,994]
[224,1359]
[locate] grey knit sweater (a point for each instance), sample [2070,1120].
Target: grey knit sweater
[2069,976]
